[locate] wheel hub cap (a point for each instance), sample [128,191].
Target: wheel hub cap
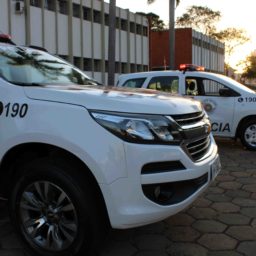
[48,216]
[250,135]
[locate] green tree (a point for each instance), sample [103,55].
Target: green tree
[205,20]
[232,37]
[250,67]
[156,24]
[200,18]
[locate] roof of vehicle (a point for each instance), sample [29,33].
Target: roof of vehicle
[147,73]
[204,74]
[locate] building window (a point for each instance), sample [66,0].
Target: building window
[139,68]
[124,68]
[145,31]
[35,3]
[87,13]
[87,64]
[77,61]
[96,16]
[145,68]
[133,66]
[205,45]
[106,66]
[132,27]
[97,65]
[138,29]
[117,67]
[63,6]
[106,17]
[117,23]
[221,50]
[49,5]
[124,24]
[198,42]
[64,57]
[76,10]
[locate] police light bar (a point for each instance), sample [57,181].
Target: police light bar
[191,67]
[5,38]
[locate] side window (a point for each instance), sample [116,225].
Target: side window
[203,87]
[134,83]
[212,88]
[164,83]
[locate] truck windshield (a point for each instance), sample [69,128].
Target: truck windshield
[26,66]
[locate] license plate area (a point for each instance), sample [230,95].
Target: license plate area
[215,168]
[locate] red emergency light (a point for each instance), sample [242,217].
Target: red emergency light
[5,38]
[191,67]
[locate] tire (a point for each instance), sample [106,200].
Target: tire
[55,210]
[248,134]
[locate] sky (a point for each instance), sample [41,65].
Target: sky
[238,14]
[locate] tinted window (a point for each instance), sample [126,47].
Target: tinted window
[134,83]
[164,83]
[211,87]
[201,86]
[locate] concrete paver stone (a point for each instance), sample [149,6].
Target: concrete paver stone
[218,242]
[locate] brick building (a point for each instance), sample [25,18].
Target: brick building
[190,47]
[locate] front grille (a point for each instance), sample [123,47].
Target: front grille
[198,148]
[188,119]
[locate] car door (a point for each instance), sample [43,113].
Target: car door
[218,101]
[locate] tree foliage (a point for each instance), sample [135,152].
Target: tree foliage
[156,24]
[200,18]
[250,67]
[232,37]
[205,20]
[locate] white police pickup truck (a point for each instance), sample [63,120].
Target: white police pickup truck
[230,105]
[76,158]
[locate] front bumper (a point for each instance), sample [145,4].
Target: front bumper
[128,202]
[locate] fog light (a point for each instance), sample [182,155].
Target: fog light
[157,192]
[165,195]
[162,195]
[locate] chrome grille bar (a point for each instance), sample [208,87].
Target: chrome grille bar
[197,149]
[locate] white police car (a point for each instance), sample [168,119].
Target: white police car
[230,105]
[76,157]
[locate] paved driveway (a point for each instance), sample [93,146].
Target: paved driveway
[220,223]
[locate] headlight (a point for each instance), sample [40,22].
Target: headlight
[207,122]
[139,128]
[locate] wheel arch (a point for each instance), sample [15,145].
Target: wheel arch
[22,153]
[241,122]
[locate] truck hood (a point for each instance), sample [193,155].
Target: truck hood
[115,99]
